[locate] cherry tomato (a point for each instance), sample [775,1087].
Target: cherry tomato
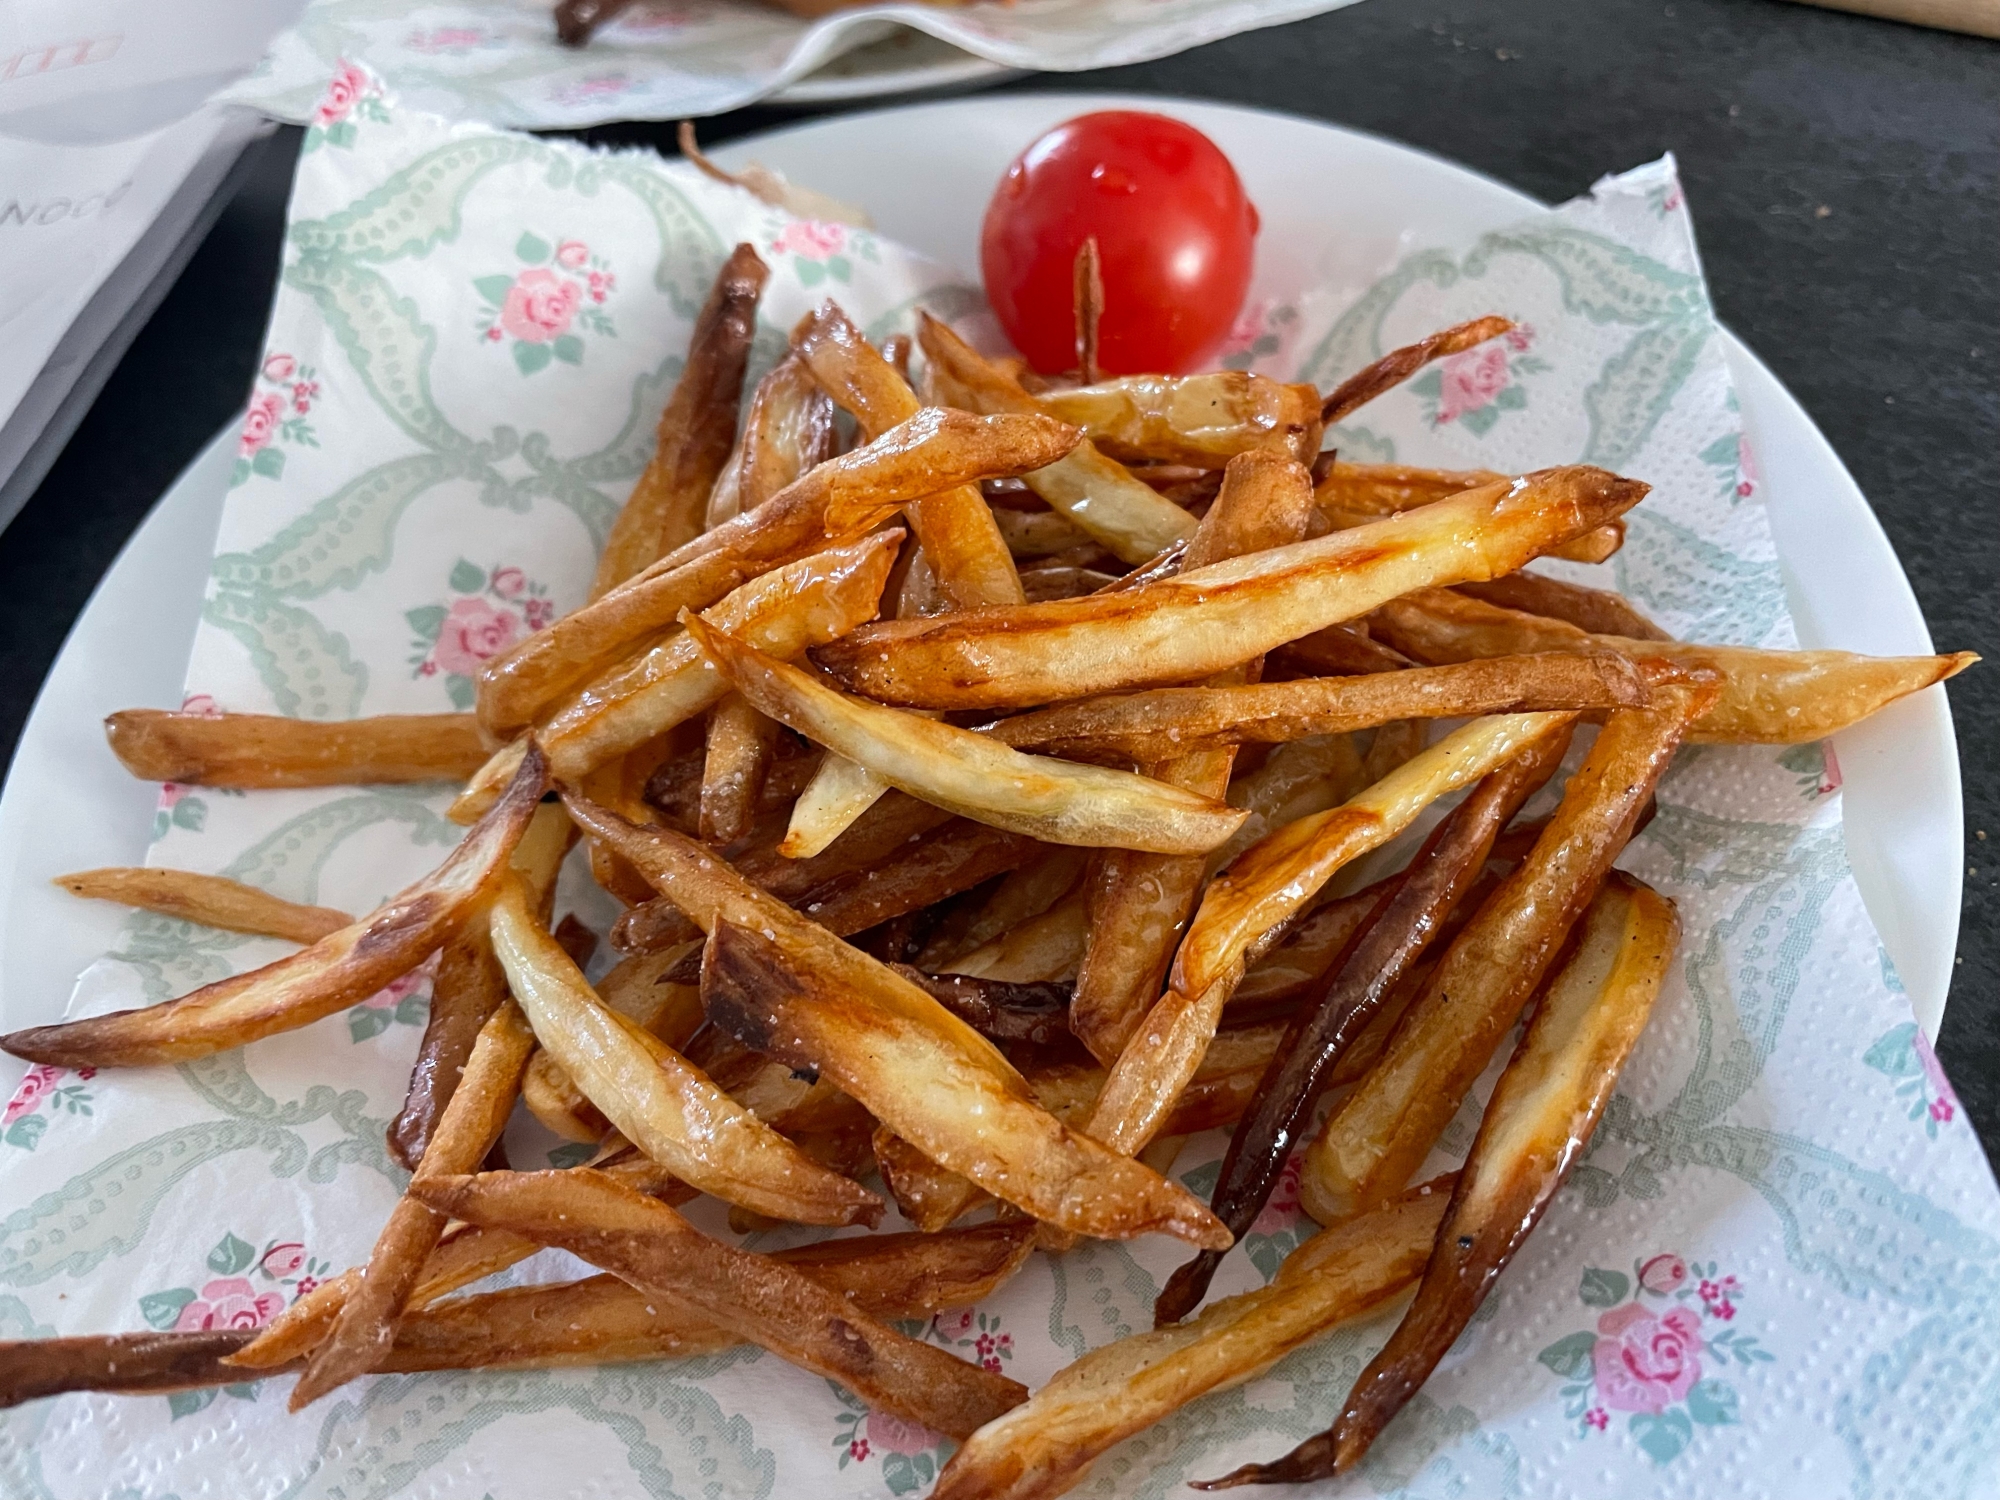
[1174,239]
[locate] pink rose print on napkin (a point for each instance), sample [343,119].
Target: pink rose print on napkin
[260,424]
[242,1289]
[1646,1363]
[1281,1210]
[404,1001]
[909,1452]
[493,608]
[820,250]
[231,1302]
[894,1434]
[541,313]
[1663,1274]
[42,1098]
[275,418]
[474,632]
[351,96]
[1903,1053]
[1473,389]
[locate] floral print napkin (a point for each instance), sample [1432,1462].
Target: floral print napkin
[1775,1273]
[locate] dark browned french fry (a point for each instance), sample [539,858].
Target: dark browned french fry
[1407,919]
[740,742]
[1541,1116]
[1139,903]
[953,859]
[789,428]
[1038,886]
[1005,1010]
[1087,297]
[577,19]
[1166,721]
[1398,365]
[334,973]
[31,1369]
[1597,610]
[211,900]
[1209,619]
[696,430]
[1378,1137]
[263,750]
[1337,651]
[648,1244]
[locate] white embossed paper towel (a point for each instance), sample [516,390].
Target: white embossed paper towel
[1774,1275]
[499,61]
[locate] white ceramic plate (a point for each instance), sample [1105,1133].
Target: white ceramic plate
[67,805]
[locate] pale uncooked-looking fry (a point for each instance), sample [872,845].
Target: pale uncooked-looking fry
[1043,1448]
[1204,420]
[784,611]
[1378,1137]
[486,784]
[471,1122]
[211,900]
[1766,698]
[1352,493]
[1058,802]
[696,429]
[883,1041]
[337,971]
[1126,515]
[953,524]
[840,792]
[263,750]
[1139,903]
[1213,618]
[1597,610]
[788,429]
[656,1098]
[1398,365]
[1168,721]
[1273,880]
[648,1244]
[740,742]
[1538,1121]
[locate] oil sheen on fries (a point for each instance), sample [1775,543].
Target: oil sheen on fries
[211,900]
[260,750]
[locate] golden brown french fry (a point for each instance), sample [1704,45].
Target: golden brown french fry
[1378,1137]
[1271,882]
[640,989]
[263,750]
[1598,610]
[740,742]
[1296,780]
[1031,890]
[1209,619]
[785,611]
[696,430]
[789,428]
[1351,493]
[1337,651]
[472,1121]
[656,1098]
[646,1243]
[1124,514]
[953,525]
[1767,697]
[211,900]
[1047,947]
[1398,365]
[1058,802]
[881,1039]
[1043,1448]
[1139,903]
[337,971]
[1037,534]
[1202,420]
[1540,1117]
[928,1195]
[1167,721]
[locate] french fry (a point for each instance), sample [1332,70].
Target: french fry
[1351,493]
[472,1120]
[1033,535]
[133,1363]
[1058,802]
[1124,514]
[789,429]
[952,523]
[1044,1448]
[1272,880]
[1372,1144]
[1337,651]
[658,1100]
[840,792]
[740,741]
[1597,610]
[486,784]
[641,989]
[1087,300]
[1200,420]
[1296,780]
[263,750]
[468,988]
[696,430]
[1209,619]
[1540,1118]
[1005,1010]
[1767,697]
[1047,947]
[1062,582]
[650,1245]
[1398,365]
[928,1195]
[1169,721]
[337,971]
[1406,919]
[1036,887]
[1139,903]
[211,900]
[952,860]
[786,610]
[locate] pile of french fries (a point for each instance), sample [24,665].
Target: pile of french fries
[978,770]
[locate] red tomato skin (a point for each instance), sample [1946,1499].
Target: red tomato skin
[1175,240]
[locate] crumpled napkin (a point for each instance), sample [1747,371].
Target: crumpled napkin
[1777,1271]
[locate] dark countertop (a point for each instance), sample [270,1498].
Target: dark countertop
[1844,175]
